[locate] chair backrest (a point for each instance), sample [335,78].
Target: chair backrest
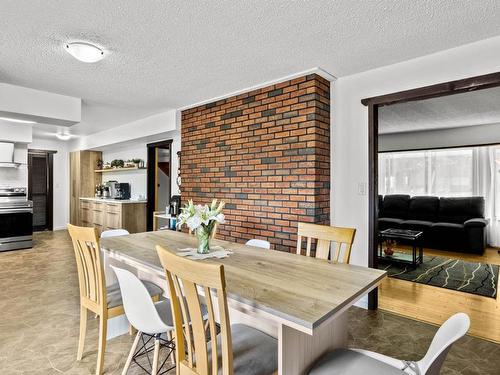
[89,265]
[114,233]
[324,236]
[184,277]
[451,330]
[259,243]
[137,303]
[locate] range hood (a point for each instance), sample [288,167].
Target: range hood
[7,155]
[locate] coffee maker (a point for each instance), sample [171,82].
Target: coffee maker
[122,190]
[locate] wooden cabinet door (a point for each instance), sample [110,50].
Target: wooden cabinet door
[86,216]
[98,213]
[113,220]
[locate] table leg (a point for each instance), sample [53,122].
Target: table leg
[297,351]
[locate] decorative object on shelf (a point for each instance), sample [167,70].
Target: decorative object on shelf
[100,164]
[178,180]
[389,247]
[129,164]
[201,220]
[117,163]
[138,162]
[106,165]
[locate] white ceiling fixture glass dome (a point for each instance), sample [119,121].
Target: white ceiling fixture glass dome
[85,52]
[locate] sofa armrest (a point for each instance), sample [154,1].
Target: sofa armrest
[476,223]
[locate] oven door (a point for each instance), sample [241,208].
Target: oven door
[16,228]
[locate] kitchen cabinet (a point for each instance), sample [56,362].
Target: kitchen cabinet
[83,181]
[104,214]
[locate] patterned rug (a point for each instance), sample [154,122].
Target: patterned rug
[455,274]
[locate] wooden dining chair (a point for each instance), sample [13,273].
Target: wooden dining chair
[324,236]
[199,351]
[105,302]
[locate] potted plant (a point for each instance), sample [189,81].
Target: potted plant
[137,162]
[117,163]
[202,220]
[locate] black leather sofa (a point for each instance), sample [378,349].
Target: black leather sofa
[455,224]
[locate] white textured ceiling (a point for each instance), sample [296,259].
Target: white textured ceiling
[168,54]
[480,107]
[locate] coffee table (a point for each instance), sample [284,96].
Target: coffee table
[414,237]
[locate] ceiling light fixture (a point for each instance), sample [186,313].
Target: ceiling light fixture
[17,120]
[63,136]
[85,52]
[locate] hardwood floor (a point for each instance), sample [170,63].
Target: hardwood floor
[434,305]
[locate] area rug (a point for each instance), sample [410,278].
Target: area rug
[454,274]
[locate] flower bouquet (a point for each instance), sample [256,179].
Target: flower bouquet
[202,220]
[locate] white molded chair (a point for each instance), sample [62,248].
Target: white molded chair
[149,319]
[114,233]
[259,243]
[360,362]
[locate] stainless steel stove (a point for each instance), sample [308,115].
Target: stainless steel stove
[16,219]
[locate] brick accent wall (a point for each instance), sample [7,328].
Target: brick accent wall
[266,153]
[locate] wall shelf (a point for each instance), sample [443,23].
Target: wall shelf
[118,169]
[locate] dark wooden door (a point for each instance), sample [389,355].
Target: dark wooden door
[40,182]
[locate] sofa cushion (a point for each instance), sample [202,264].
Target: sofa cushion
[420,225]
[395,205]
[448,227]
[423,208]
[389,222]
[459,210]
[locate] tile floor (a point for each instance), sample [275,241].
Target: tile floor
[39,322]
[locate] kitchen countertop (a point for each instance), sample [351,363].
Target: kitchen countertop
[108,200]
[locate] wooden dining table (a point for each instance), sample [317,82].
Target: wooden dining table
[302,301]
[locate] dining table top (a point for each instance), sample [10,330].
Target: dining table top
[304,291]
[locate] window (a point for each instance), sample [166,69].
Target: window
[432,172]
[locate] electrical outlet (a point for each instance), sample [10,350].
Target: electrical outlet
[362,188]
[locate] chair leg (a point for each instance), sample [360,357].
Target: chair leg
[132,352]
[131,329]
[103,329]
[156,354]
[172,356]
[83,331]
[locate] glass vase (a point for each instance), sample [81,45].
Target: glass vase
[203,235]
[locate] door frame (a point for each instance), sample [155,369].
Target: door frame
[50,184]
[152,177]
[374,103]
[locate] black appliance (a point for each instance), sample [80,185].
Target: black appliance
[16,219]
[122,190]
[175,205]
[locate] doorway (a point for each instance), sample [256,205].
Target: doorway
[440,171]
[40,187]
[159,178]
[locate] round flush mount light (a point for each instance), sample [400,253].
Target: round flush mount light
[63,136]
[85,52]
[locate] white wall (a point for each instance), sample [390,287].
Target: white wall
[349,131]
[61,178]
[454,137]
[138,148]
[20,135]
[137,178]
[40,106]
